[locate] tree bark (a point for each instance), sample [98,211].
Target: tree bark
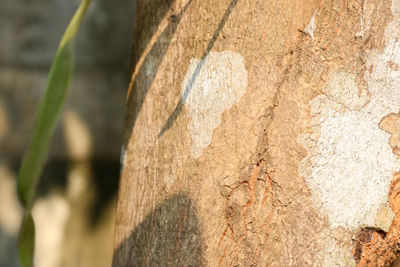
[262,133]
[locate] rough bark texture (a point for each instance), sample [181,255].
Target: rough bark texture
[261,133]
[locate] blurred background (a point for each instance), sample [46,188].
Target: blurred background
[74,209]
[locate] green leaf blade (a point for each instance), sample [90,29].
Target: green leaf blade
[26,241]
[46,121]
[47,116]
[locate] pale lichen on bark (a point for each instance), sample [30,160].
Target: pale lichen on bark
[212,85]
[351,160]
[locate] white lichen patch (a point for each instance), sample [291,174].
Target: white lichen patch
[351,168]
[211,86]
[350,163]
[343,89]
[311,26]
[365,23]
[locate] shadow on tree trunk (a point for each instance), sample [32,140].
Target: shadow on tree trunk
[179,106]
[144,77]
[156,55]
[168,236]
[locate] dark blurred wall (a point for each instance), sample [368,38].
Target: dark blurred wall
[75,206]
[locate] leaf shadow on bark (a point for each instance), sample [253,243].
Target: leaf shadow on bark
[145,76]
[148,18]
[168,236]
[178,109]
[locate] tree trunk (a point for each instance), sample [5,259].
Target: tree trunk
[262,133]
